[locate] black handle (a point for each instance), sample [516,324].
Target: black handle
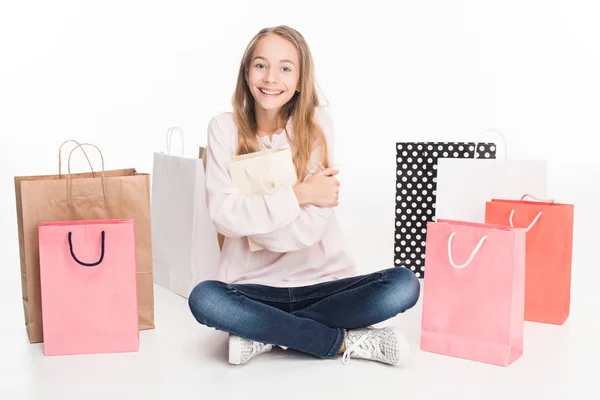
[82,263]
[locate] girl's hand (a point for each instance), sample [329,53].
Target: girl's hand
[321,189]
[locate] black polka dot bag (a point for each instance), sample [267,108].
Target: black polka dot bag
[416,190]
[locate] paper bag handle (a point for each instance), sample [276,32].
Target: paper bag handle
[450,258]
[60,157]
[69,169]
[495,131]
[170,139]
[536,198]
[81,262]
[510,219]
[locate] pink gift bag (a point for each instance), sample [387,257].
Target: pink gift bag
[88,287]
[474,291]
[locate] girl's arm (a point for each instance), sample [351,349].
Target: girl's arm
[310,226]
[234,214]
[306,230]
[277,221]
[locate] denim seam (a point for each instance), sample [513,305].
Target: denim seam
[345,288]
[256,297]
[297,299]
[290,303]
[345,291]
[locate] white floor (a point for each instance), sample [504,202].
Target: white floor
[181,359]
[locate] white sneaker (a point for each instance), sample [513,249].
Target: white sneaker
[242,350]
[386,345]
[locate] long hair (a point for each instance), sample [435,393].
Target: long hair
[300,108]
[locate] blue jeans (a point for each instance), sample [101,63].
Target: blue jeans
[310,319]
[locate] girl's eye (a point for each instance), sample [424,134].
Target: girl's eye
[286,69]
[259,65]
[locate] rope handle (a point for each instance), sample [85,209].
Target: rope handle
[473,253]
[81,262]
[536,198]
[261,178]
[60,157]
[69,168]
[537,217]
[170,139]
[497,131]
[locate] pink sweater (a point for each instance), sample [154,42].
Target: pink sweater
[303,245]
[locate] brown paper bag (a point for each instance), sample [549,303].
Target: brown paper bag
[202,156]
[112,194]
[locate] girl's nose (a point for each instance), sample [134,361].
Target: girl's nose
[272,75]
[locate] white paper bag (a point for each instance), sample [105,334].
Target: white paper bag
[262,172]
[184,238]
[465,185]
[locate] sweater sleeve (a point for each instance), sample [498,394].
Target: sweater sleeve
[234,214]
[305,231]
[312,223]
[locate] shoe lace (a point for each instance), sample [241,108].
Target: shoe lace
[366,346]
[252,349]
[257,347]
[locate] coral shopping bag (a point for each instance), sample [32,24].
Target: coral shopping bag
[88,286]
[473,292]
[549,228]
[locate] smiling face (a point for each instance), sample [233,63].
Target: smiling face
[274,72]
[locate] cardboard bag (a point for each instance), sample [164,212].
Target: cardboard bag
[262,172]
[89,291]
[549,248]
[473,293]
[116,194]
[184,238]
[465,185]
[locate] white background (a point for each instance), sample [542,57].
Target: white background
[119,73]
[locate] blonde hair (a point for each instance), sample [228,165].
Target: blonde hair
[300,108]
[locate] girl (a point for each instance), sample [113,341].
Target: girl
[301,291]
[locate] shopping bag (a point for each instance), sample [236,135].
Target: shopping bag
[184,239]
[202,155]
[416,191]
[262,172]
[88,287]
[114,194]
[549,249]
[465,185]
[473,293]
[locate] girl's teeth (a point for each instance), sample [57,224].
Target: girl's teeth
[269,93]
